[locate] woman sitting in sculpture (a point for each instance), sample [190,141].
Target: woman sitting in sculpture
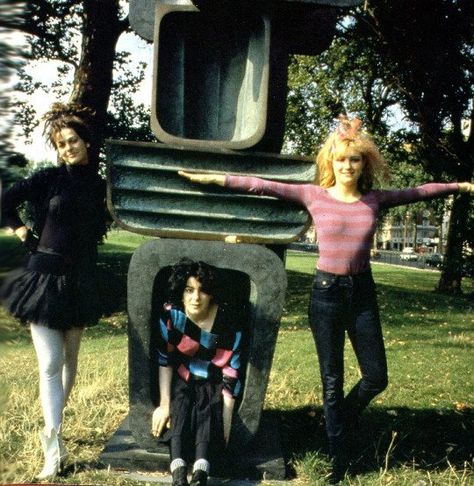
[198,346]
[344,208]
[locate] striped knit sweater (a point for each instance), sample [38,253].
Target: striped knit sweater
[345,230]
[197,354]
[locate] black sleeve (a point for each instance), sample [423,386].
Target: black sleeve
[33,189]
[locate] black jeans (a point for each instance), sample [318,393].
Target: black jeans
[340,303]
[197,430]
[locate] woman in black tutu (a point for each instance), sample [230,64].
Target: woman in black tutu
[56,293]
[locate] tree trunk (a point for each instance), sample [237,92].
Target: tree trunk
[93,78]
[405,231]
[415,235]
[451,274]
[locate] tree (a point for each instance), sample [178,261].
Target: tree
[426,48]
[55,29]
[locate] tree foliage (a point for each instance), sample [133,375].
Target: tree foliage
[427,49]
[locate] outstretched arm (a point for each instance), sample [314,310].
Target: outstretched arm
[399,197]
[299,193]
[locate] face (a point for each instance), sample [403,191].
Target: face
[71,148]
[348,166]
[196,302]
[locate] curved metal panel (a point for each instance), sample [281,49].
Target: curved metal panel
[142,12]
[146,195]
[210,84]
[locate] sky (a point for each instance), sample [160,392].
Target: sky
[36,149]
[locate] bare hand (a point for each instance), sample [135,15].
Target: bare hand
[227,410]
[22,232]
[203,178]
[466,187]
[160,421]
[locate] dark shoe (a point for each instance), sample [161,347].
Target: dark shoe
[199,478]
[180,476]
[340,465]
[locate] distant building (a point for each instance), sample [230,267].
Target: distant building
[428,235]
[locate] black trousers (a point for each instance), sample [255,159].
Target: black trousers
[339,304]
[197,430]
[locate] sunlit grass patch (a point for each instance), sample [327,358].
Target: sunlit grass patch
[417,433]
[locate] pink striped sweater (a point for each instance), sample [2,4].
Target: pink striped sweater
[345,230]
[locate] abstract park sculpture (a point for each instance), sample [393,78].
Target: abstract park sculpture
[218,105]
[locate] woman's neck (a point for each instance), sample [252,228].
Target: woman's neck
[207,321]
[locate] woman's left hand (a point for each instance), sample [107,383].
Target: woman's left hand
[160,420]
[466,187]
[227,410]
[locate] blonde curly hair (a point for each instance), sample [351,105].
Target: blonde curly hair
[347,135]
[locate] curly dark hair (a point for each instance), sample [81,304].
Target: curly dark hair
[71,115]
[206,274]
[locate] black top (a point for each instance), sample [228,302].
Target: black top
[67,206]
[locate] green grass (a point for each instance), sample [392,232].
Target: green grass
[418,432]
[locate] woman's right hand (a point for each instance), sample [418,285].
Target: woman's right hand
[160,420]
[203,178]
[466,187]
[21,232]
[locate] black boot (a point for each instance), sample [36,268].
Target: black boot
[199,478]
[339,465]
[180,476]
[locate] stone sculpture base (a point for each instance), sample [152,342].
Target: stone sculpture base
[262,458]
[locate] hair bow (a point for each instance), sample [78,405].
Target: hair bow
[347,129]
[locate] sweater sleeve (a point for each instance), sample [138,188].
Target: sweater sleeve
[392,198]
[162,346]
[230,370]
[290,192]
[33,188]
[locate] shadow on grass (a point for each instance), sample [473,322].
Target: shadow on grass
[425,438]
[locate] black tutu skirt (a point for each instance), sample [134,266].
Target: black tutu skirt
[52,291]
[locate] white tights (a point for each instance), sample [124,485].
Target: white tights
[57,352]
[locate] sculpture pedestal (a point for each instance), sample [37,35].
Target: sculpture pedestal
[262,458]
[257,279]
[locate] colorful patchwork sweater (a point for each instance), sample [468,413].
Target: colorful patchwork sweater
[345,230]
[197,354]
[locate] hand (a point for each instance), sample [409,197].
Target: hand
[466,187]
[202,178]
[22,232]
[227,411]
[160,420]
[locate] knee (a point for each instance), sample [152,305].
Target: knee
[333,394]
[51,366]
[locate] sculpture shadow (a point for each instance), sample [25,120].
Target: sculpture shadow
[388,437]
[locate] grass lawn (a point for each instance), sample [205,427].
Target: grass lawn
[418,432]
